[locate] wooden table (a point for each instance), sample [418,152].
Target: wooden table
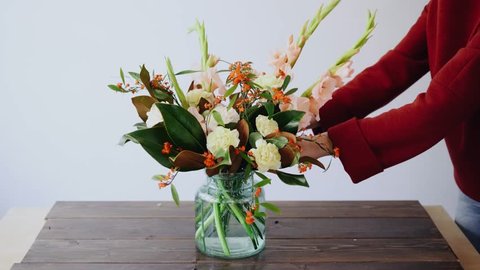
[307,235]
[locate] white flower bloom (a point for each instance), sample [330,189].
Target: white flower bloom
[265,126]
[193,97]
[154,116]
[266,156]
[269,81]
[219,140]
[228,116]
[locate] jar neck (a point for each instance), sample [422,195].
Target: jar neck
[231,182]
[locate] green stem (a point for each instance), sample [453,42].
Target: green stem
[220,232]
[236,211]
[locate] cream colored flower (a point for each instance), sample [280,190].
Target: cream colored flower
[228,116]
[154,116]
[266,156]
[194,96]
[219,140]
[265,126]
[268,81]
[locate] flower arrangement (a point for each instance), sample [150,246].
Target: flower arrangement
[244,123]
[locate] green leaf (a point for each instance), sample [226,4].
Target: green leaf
[291,91]
[270,206]
[159,177]
[116,88]
[233,99]
[135,76]
[162,95]
[151,139]
[145,78]
[286,82]
[216,115]
[279,141]
[140,125]
[173,189]
[269,107]
[259,214]
[230,90]
[266,95]
[182,127]
[292,179]
[265,180]
[188,71]
[288,120]
[248,170]
[254,136]
[176,86]
[122,76]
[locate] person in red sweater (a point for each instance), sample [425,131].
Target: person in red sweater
[445,40]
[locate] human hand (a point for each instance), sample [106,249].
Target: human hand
[315,146]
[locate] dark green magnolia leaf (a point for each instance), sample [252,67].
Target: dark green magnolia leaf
[143,105]
[288,120]
[151,139]
[162,95]
[286,82]
[270,206]
[183,128]
[122,76]
[292,179]
[135,76]
[175,197]
[254,136]
[270,108]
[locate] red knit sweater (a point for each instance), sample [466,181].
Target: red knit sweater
[445,41]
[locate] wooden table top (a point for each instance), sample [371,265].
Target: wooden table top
[306,235]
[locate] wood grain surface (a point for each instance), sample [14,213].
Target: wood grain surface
[306,235]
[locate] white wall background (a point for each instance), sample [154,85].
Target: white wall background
[60,124]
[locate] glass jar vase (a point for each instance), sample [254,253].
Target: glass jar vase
[227,220]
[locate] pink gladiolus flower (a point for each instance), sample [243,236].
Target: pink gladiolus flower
[293,51]
[343,73]
[199,117]
[212,81]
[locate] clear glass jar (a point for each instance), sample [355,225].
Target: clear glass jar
[226,223]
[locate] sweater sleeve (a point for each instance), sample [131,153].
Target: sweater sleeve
[372,144]
[377,85]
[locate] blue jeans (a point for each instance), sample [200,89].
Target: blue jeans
[468,219]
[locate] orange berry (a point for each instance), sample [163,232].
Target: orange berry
[336,152]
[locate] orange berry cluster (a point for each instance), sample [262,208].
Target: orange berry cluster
[209,159]
[167,147]
[303,167]
[249,219]
[280,96]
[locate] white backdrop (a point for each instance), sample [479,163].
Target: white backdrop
[60,124]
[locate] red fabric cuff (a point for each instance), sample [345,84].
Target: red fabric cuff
[332,113]
[358,159]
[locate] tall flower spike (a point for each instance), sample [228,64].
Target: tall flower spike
[345,58]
